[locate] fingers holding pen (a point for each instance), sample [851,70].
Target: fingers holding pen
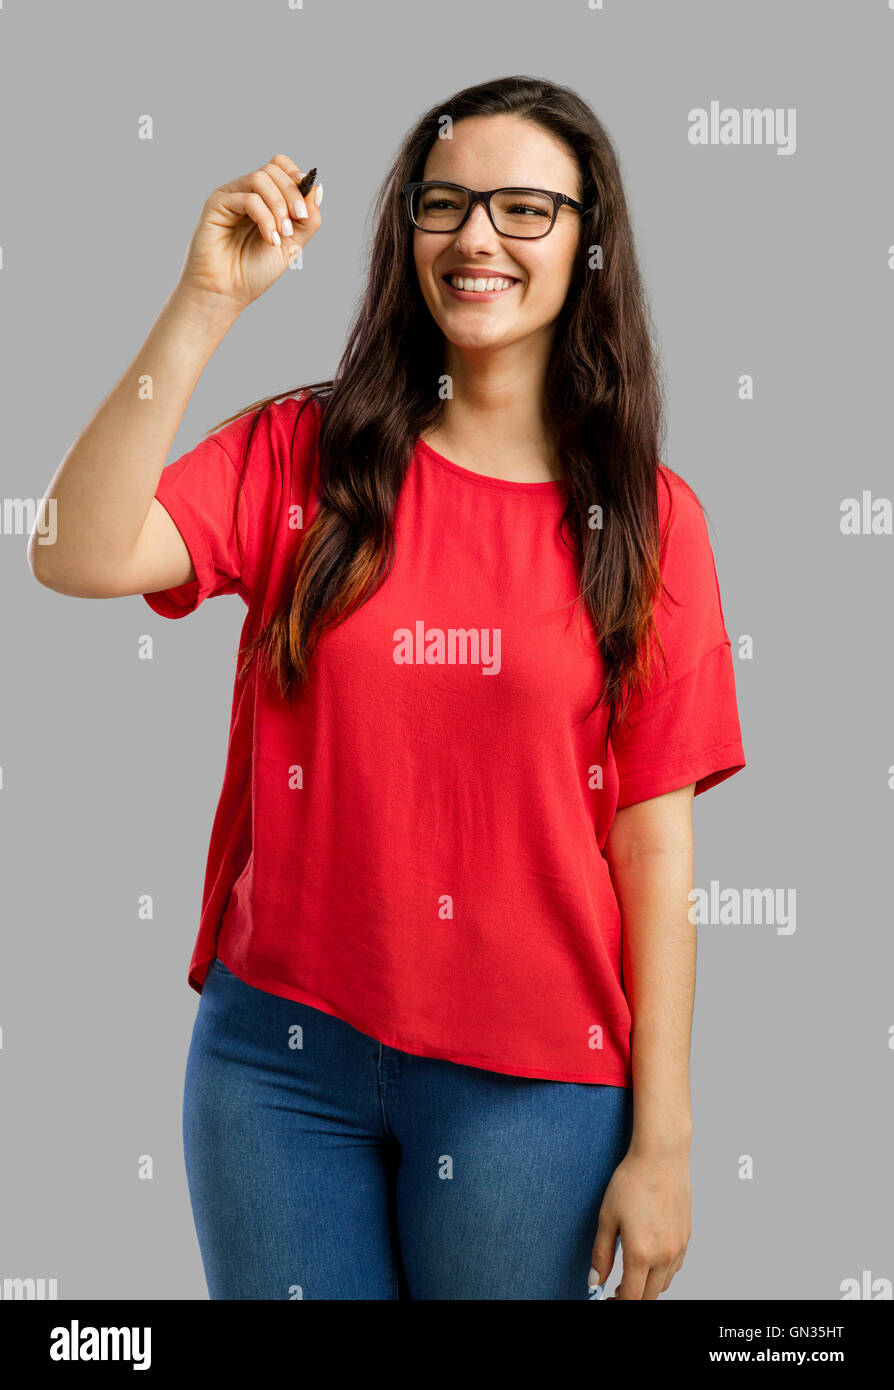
[297,189]
[237,249]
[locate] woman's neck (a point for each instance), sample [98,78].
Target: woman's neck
[495,420]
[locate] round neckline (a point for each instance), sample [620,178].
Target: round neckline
[549,487]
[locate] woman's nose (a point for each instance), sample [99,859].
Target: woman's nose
[478,228]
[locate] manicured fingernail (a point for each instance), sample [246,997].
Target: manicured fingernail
[593,1280]
[277,240]
[319,194]
[286,226]
[300,208]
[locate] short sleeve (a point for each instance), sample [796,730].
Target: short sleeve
[222,496]
[685,727]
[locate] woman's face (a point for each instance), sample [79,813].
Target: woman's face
[499,152]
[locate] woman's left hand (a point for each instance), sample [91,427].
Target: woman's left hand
[648,1204]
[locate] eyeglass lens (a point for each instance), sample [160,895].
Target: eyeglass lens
[516,211]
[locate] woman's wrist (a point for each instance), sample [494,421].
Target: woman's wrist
[201,318]
[668,1139]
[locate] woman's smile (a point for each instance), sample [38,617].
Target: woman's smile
[470,285]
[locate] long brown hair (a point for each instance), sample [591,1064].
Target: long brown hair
[602,392]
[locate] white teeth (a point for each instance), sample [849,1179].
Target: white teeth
[460,282]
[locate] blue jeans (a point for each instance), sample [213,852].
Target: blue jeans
[322,1164]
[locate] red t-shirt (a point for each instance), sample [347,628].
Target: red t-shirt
[414,845]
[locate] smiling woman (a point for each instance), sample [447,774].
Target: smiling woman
[468,896]
[525,234]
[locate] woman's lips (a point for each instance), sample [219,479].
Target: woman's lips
[485,295]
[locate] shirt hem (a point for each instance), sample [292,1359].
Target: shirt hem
[606,1077]
[180,600]
[705,770]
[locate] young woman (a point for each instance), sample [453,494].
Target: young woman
[445,959]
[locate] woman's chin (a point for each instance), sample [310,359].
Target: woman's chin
[477,338]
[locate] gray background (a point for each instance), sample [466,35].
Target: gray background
[754,262]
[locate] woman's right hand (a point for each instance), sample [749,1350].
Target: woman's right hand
[233,256]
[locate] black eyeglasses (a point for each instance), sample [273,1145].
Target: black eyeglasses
[514,212]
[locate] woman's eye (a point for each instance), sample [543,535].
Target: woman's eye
[526,207]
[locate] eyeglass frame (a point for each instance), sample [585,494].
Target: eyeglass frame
[477,195]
